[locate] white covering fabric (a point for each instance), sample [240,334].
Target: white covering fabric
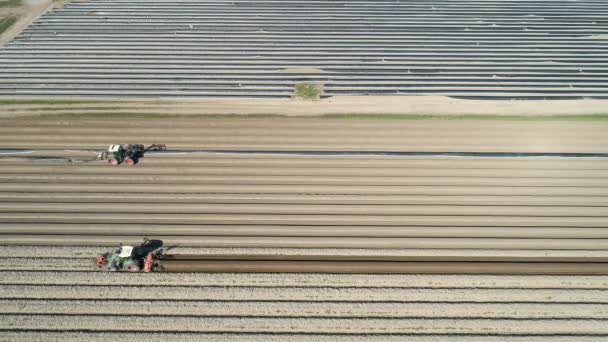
[125,251]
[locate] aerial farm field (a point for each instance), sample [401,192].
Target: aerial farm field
[503,159]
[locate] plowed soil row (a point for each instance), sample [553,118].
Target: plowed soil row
[242,293]
[59,208]
[300,325]
[262,201]
[305,309]
[41,276]
[311,134]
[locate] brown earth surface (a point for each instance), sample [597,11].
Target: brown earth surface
[341,105]
[59,208]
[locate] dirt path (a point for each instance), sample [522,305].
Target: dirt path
[26,14]
[309,134]
[411,105]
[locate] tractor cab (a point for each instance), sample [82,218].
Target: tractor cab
[115,154]
[125,252]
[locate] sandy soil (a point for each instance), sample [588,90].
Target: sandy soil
[161,337]
[269,280]
[278,309]
[289,201]
[243,293]
[305,134]
[436,105]
[397,206]
[310,325]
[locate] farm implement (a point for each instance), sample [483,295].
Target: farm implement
[142,258]
[129,154]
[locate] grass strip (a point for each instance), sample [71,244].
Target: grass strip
[151,116]
[66,109]
[10,3]
[7,22]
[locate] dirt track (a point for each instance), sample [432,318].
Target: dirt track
[306,134]
[211,203]
[336,105]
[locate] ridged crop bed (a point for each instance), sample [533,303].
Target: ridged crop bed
[59,208]
[502,49]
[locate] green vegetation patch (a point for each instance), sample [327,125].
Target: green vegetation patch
[307,91]
[151,116]
[7,22]
[66,109]
[10,3]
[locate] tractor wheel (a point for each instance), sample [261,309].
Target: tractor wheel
[149,262]
[130,161]
[100,260]
[113,161]
[132,267]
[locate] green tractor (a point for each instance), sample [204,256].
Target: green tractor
[128,154]
[132,259]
